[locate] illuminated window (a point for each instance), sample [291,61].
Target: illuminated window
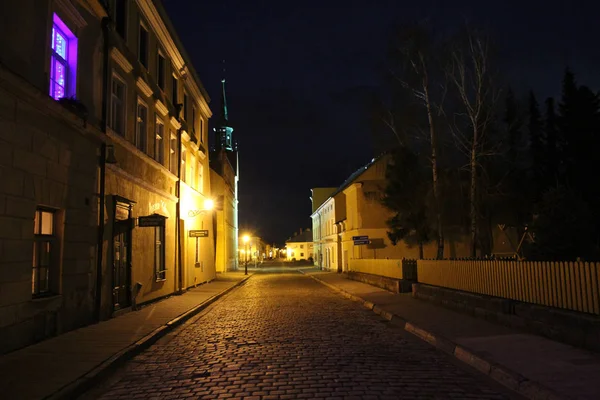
[159,148]
[159,253]
[117,106]
[63,60]
[143,46]
[141,131]
[43,251]
[173,153]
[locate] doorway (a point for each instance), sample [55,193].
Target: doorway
[121,266]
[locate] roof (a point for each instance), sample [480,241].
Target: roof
[303,237]
[352,178]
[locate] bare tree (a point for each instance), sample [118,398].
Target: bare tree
[416,52]
[470,73]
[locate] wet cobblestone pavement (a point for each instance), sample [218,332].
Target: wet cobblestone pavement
[285,336]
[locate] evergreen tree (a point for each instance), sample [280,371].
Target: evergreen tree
[567,122]
[536,148]
[513,127]
[552,163]
[407,195]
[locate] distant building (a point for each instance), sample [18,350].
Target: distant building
[300,246]
[224,175]
[253,250]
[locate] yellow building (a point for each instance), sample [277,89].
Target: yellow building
[158,235]
[252,249]
[300,246]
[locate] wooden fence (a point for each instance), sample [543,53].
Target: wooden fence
[382,267]
[569,285]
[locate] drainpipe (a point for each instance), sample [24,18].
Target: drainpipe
[178,232]
[102,165]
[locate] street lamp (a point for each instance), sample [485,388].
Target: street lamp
[246,239]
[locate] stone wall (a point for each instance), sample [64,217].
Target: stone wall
[574,328]
[392,284]
[48,158]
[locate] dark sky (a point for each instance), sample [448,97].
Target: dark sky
[295,71]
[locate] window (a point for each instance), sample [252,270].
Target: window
[173,153]
[175,97]
[185,106]
[201,130]
[193,119]
[301,246]
[159,253]
[143,46]
[63,60]
[183,155]
[43,251]
[160,72]
[141,131]
[301,254]
[200,181]
[192,171]
[159,148]
[120,17]
[117,106]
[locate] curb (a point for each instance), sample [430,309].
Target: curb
[89,379]
[497,372]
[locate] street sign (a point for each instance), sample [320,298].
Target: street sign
[151,220]
[357,242]
[355,238]
[198,233]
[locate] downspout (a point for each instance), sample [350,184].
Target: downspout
[102,162]
[178,213]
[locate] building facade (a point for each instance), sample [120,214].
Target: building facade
[224,174]
[102,157]
[300,246]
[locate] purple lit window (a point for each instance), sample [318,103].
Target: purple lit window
[63,60]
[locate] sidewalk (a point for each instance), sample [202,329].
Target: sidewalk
[66,365]
[532,365]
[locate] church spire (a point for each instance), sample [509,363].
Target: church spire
[225,140]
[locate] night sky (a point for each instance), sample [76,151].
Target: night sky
[296,72]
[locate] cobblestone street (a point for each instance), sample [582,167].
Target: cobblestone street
[285,336]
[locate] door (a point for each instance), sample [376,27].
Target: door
[121,266]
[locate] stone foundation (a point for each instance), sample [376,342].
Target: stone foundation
[577,329]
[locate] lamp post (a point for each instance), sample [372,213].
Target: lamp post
[246,239]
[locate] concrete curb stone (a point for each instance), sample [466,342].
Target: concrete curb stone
[92,377]
[499,373]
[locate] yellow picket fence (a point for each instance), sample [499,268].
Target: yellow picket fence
[382,267]
[569,285]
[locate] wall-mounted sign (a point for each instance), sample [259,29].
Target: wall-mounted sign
[198,233]
[151,220]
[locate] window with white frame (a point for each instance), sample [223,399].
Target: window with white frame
[63,60]
[173,153]
[200,178]
[160,71]
[143,46]
[141,129]
[159,145]
[117,105]
[45,247]
[159,253]
[183,157]
[192,182]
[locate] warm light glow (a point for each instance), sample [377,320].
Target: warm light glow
[209,204]
[246,238]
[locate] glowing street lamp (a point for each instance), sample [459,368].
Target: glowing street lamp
[246,239]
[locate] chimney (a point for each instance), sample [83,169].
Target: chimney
[301,231]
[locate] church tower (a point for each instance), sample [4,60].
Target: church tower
[225,171]
[224,131]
